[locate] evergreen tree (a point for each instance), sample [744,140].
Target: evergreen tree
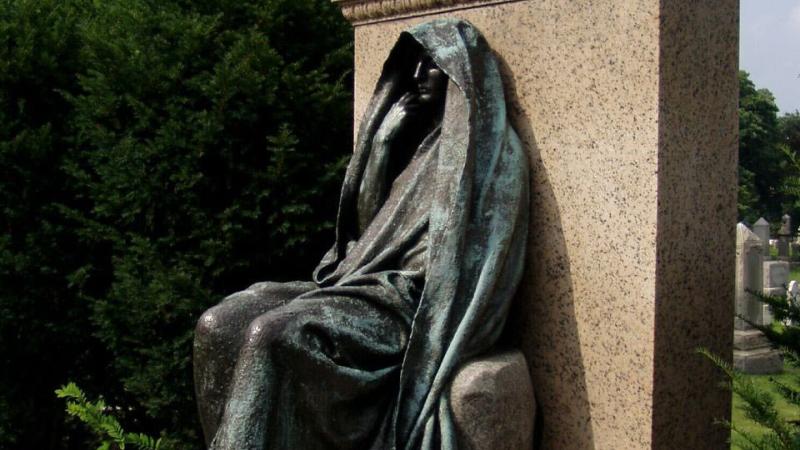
[157,156]
[45,335]
[761,158]
[789,126]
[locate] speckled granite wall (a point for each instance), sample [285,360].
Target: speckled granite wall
[628,109]
[696,232]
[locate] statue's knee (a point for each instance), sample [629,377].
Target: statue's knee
[262,287]
[272,331]
[210,326]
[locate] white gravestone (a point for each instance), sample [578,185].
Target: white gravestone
[761,229]
[749,261]
[751,350]
[776,277]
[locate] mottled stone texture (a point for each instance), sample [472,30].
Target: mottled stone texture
[697,156]
[493,403]
[628,109]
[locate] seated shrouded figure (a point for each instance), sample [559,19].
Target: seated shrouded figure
[429,249]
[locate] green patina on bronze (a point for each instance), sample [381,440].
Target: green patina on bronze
[430,245]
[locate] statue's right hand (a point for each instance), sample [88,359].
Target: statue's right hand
[397,118]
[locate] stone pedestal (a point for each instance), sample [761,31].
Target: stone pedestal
[493,403]
[628,109]
[752,353]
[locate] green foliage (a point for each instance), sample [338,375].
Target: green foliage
[789,126]
[759,406]
[780,431]
[107,429]
[748,201]
[766,383]
[155,156]
[792,181]
[769,176]
[43,326]
[761,157]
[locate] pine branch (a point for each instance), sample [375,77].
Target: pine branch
[759,406]
[103,425]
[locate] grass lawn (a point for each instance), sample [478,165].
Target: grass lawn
[794,274]
[787,411]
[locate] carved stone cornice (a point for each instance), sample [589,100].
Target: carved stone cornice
[359,11]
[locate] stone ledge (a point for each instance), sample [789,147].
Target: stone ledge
[758,362]
[749,340]
[366,11]
[493,403]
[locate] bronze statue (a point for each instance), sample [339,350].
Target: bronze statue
[429,249]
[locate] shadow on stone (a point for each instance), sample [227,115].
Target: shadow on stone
[542,320]
[493,403]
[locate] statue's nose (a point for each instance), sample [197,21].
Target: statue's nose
[418,72]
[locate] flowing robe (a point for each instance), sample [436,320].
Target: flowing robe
[361,358]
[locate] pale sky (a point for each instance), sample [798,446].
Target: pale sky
[769,48]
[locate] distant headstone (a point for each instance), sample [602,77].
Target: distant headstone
[749,261]
[792,296]
[761,229]
[786,226]
[783,247]
[752,352]
[784,235]
[775,278]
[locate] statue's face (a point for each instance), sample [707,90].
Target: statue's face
[431,81]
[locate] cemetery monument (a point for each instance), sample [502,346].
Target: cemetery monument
[627,115]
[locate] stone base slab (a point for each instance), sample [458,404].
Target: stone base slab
[751,339]
[758,362]
[493,404]
[779,291]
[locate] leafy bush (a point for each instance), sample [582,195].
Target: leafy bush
[761,158]
[156,155]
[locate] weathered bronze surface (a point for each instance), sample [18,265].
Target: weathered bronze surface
[430,242]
